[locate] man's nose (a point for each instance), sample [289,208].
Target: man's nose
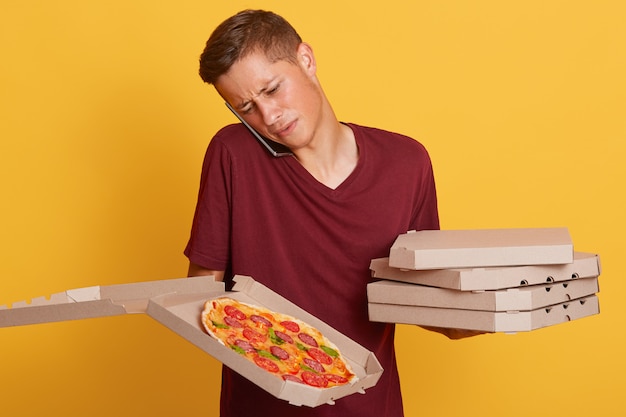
[270,112]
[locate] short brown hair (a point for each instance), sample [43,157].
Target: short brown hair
[246,32]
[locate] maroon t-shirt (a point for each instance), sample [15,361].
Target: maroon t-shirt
[271,219]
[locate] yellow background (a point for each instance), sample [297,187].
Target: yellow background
[103,126]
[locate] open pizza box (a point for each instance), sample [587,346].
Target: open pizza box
[444,249]
[177,304]
[584,265]
[99,301]
[181,314]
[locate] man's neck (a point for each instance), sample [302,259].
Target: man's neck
[333,157]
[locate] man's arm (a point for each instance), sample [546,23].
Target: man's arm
[196,270]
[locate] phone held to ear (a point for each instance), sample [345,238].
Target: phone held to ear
[274,148]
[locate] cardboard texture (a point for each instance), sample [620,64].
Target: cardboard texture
[181,313]
[492,280]
[512,299]
[509,322]
[443,249]
[97,301]
[177,304]
[584,265]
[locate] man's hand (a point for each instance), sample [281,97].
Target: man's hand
[196,270]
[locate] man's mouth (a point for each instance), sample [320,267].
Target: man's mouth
[284,130]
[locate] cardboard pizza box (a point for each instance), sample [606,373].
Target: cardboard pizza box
[585,265]
[440,249]
[181,314]
[487,321]
[512,299]
[177,304]
[99,301]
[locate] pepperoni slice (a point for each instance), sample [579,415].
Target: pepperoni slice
[284,336]
[292,326]
[320,356]
[266,364]
[280,353]
[233,322]
[309,340]
[261,320]
[234,312]
[336,379]
[293,378]
[253,335]
[246,346]
[315,365]
[315,380]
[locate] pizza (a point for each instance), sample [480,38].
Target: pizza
[280,344]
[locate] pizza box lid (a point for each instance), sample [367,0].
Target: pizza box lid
[486,321]
[438,249]
[99,301]
[511,299]
[181,313]
[585,265]
[177,304]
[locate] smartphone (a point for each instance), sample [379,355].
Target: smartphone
[274,148]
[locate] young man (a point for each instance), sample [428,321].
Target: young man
[305,225]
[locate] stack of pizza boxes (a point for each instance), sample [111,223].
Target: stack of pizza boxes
[491,280]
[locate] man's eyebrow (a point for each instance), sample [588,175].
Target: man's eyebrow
[241,105]
[245,103]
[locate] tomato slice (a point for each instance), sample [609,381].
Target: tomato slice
[320,356]
[253,335]
[266,364]
[315,380]
[336,379]
[291,326]
[234,312]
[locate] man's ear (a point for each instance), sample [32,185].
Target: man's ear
[306,58]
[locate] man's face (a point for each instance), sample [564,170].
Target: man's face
[281,100]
